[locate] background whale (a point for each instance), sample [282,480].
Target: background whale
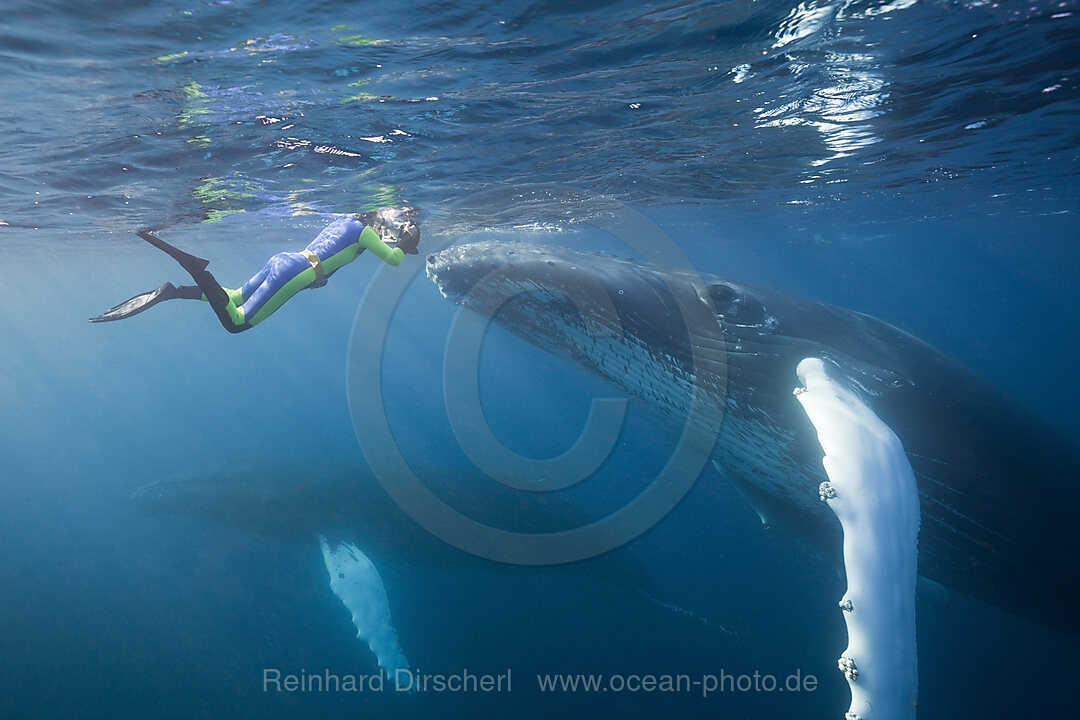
[997,486]
[340,507]
[297,500]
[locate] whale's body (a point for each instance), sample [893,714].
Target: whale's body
[340,507]
[998,488]
[299,499]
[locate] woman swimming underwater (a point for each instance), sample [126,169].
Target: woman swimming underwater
[284,274]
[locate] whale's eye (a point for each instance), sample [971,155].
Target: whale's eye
[722,294]
[737,309]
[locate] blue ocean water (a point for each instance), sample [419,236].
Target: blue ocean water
[917,161]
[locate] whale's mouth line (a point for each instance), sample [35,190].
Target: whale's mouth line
[161,495]
[184,483]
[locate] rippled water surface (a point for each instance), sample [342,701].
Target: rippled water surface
[115,113]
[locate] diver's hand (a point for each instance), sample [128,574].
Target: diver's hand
[409,238]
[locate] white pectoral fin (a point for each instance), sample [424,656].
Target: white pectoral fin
[872,491]
[356,582]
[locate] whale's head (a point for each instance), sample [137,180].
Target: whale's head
[549,291]
[206,492]
[645,326]
[545,286]
[654,332]
[283,498]
[491,276]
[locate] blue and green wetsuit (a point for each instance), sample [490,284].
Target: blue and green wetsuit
[284,274]
[287,273]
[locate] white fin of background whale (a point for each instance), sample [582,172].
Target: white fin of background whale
[872,491]
[356,582]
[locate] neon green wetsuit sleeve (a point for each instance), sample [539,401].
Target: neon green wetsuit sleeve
[368,240]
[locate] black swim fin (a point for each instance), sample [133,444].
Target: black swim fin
[196,268]
[147,300]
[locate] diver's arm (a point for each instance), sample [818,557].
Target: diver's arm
[370,240]
[389,240]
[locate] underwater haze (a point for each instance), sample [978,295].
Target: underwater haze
[918,161]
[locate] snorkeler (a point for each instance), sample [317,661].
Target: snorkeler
[284,274]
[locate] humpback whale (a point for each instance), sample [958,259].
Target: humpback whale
[997,487]
[340,509]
